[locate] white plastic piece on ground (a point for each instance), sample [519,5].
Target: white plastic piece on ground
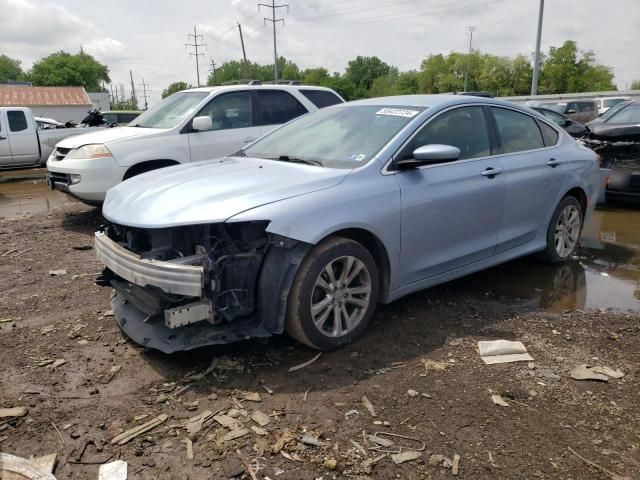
[113,471]
[503,351]
[12,467]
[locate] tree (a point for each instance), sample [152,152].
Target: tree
[10,69]
[175,87]
[64,69]
[363,71]
[635,85]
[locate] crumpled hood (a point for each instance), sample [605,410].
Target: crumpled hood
[105,136]
[211,191]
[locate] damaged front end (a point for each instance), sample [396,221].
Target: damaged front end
[186,287]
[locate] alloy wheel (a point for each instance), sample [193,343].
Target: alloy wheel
[567,231]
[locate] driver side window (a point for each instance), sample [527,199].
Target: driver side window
[229,110]
[464,128]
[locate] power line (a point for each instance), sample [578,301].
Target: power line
[274,20]
[470,30]
[196,46]
[144,93]
[342,11]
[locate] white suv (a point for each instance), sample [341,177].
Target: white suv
[191,125]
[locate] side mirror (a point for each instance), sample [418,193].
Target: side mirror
[571,111]
[427,154]
[202,124]
[567,122]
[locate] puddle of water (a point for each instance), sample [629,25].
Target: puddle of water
[31,196]
[605,274]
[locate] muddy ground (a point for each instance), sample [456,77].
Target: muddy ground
[417,364]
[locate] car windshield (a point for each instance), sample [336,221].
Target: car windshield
[556,107]
[336,137]
[610,102]
[170,111]
[630,114]
[616,108]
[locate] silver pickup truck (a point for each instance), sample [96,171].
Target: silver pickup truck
[23,144]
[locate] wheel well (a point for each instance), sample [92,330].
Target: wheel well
[147,166]
[377,251]
[581,196]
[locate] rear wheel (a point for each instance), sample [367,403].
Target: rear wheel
[333,295]
[564,231]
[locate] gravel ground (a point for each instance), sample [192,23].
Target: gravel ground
[417,365]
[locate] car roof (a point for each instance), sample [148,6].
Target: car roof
[256,87]
[435,101]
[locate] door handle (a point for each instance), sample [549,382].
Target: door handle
[491,172]
[3,138]
[553,163]
[248,139]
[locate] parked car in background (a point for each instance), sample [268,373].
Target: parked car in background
[27,142]
[120,117]
[573,128]
[609,113]
[605,103]
[310,227]
[191,125]
[579,110]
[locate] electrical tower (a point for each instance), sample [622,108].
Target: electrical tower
[144,86]
[196,38]
[274,21]
[470,31]
[213,70]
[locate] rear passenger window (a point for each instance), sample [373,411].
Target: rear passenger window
[586,107]
[549,135]
[518,132]
[321,98]
[17,120]
[464,128]
[277,106]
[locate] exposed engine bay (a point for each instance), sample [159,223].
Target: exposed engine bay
[194,282]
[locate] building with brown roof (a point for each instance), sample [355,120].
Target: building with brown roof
[61,103]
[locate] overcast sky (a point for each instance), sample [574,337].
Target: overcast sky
[148,36]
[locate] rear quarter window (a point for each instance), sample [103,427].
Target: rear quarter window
[321,98]
[518,132]
[549,135]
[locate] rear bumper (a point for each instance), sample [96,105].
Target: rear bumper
[170,277]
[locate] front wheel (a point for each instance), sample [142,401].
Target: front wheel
[333,295]
[564,231]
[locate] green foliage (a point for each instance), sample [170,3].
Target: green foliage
[363,71]
[635,85]
[126,105]
[175,87]
[64,69]
[10,69]
[567,70]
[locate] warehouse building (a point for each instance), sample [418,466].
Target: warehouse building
[60,103]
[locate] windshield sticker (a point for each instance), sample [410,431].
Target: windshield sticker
[357,157]
[398,112]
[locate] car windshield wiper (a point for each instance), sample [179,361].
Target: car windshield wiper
[287,158]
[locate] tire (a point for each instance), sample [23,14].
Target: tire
[566,229]
[147,167]
[313,285]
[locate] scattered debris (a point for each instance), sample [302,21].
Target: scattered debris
[503,351]
[409,455]
[57,273]
[82,247]
[440,461]
[584,372]
[194,424]
[306,394]
[309,439]
[228,422]
[348,413]
[456,464]
[359,447]
[113,471]
[108,313]
[285,437]
[246,464]
[305,364]
[260,418]
[189,448]
[252,397]
[412,393]
[233,434]
[139,430]
[368,405]
[381,442]
[113,371]
[259,431]
[330,464]
[609,372]
[13,412]
[498,400]
[57,363]
[614,476]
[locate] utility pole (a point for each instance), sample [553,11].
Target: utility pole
[536,63]
[134,101]
[244,54]
[144,93]
[470,31]
[274,20]
[196,46]
[213,70]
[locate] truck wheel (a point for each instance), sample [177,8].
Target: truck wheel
[334,294]
[563,232]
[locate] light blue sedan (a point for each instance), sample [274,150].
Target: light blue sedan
[309,228]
